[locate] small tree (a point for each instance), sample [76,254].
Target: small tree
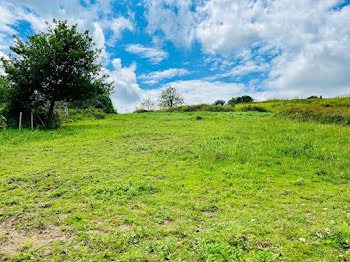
[58,65]
[219,103]
[170,98]
[147,104]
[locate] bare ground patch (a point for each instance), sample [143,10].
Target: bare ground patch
[13,241]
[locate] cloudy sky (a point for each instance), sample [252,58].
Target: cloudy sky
[207,49]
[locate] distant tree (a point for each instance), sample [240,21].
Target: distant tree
[314,97]
[239,100]
[219,103]
[147,104]
[170,97]
[60,65]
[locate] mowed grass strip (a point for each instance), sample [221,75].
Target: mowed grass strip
[173,186]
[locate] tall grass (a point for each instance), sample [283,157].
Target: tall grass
[201,107]
[318,112]
[209,108]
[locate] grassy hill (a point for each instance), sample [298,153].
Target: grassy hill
[175,186]
[277,105]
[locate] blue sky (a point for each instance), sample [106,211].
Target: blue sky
[207,49]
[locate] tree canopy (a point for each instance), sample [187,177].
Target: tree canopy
[239,100]
[170,98]
[58,65]
[219,102]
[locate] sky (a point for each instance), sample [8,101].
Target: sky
[207,49]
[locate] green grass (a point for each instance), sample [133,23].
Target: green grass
[277,105]
[318,113]
[171,186]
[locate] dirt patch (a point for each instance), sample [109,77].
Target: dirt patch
[125,227]
[12,241]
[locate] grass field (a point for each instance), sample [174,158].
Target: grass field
[171,186]
[277,105]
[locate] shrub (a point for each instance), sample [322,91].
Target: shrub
[219,103]
[102,102]
[91,112]
[141,110]
[239,100]
[319,113]
[253,108]
[2,122]
[201,107]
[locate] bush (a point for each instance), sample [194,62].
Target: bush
[2,122]
[102,102]
[219,103]
[78,114]
[201,107]
[141,110]
[319,113]
[252,108]
[239,100]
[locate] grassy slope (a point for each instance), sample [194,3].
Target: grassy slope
[166,186]
[276,105]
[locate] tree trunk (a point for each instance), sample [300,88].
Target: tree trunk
[50,114]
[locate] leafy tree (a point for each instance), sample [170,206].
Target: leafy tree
[170,98]
[314,97]
[102,102]
[219,103]
[241,99]
[3,89]
[58,65]
[147,104]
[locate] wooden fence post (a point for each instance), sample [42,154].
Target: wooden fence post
[31,120]
[20,121]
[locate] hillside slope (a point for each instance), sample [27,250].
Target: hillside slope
[175,186]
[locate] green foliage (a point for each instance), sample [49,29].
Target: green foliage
[147,104]
[319,113]
[237,186]
[277,105]
[57,65]
[76,114]
[239,100]
[248,108]
[219,103]
[3,122]
[102,102]
[201,107]
[4,89]
[170,98]
[141,110]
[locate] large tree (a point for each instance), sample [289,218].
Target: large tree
[58,65]
[170,97]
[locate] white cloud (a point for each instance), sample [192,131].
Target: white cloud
[155,77]
[173,18]
[313,40]
[241,70]
[118,25]
[155,55]
[94,17]
[307,42]
[199,91]
[127,93]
